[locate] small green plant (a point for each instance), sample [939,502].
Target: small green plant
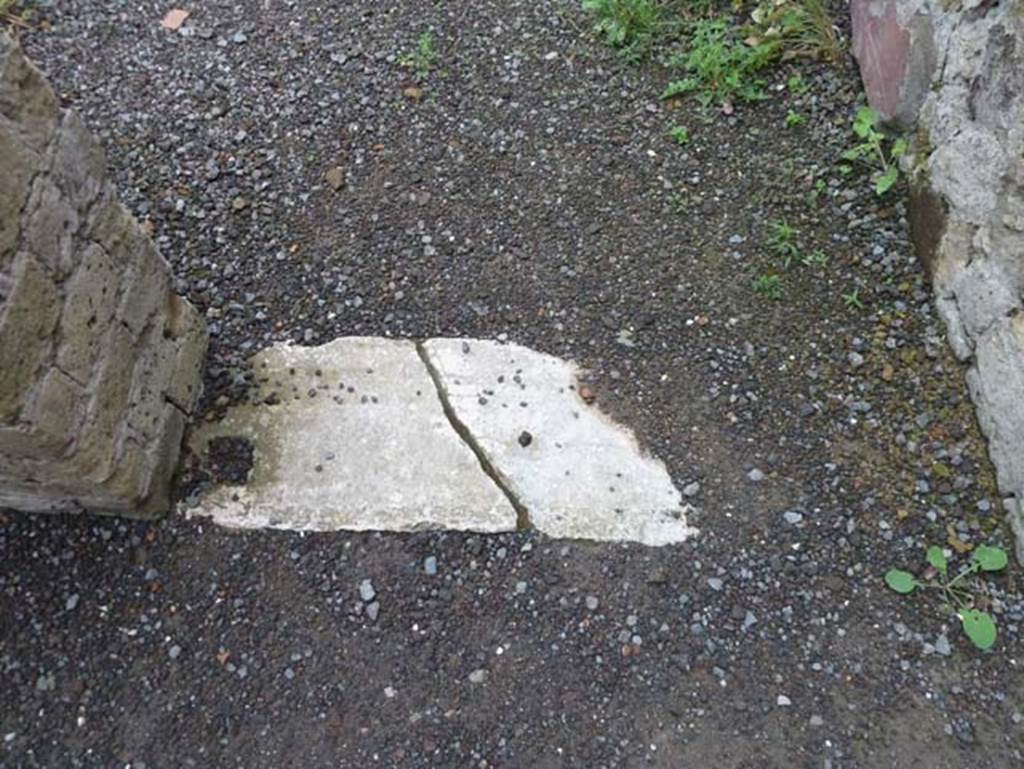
[719,66]
[781,242]
[680,135]
[631,26]
[817,258]
[794,119]
[852,300]
[679,202]
[958,598]
[820,188]
[769,286]
[797,84]
[871,151]
[422,60]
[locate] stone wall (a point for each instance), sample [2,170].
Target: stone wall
[100,361]
[953,72]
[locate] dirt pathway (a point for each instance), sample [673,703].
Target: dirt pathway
[525,188]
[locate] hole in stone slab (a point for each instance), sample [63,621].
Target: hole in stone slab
[229,460]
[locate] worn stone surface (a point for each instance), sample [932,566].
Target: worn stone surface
[352,435]
[576,472]
[99,360]
[966,175]
[996,382]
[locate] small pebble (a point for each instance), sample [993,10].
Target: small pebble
[366,591]
[46,683]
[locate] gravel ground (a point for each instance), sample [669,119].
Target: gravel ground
[305,185]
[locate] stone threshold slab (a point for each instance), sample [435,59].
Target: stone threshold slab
[368,433]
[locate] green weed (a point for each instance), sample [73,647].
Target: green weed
[718,66]
[817,258]
[852,300]
[819,189]
[679,203]
[631,26]
[422,60]
[680,135]
[957,597]
[871,151]
[796,84]
[794,119]
[781,242]
[769,286]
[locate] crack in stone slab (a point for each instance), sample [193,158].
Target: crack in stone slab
[368,433]
[522,514]
[580,474]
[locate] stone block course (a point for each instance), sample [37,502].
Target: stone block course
[20,165]
[27,322]
[89,313]
[100,362]
[26,99]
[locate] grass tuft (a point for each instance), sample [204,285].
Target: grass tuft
[802,28]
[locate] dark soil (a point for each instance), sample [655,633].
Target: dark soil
[229,460]
[526,189]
